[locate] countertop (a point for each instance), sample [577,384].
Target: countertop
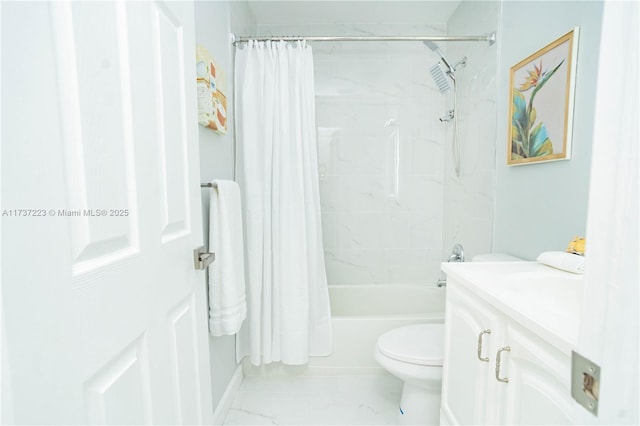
[545,300]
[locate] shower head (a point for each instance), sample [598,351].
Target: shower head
[434,47]
[445,78]
[442,77]
[431,45]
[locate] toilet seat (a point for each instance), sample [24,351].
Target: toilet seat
[420,344]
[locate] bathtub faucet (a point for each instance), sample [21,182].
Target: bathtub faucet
[457,254]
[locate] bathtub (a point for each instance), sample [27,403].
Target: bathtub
[360,314]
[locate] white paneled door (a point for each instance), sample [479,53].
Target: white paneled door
[104,315]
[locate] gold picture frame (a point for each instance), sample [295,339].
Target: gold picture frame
[541,97]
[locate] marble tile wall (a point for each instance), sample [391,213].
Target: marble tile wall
[469,199]
[382,155]
[381,168]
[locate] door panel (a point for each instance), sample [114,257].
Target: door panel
[467,393]
[539,389]
[172,113]
[105,316]
[93,75]
[120,393]
[184,357]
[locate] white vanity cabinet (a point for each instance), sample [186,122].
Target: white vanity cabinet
[472,330]
[533,382]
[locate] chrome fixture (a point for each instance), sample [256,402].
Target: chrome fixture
[444,74]
[434,47]
[490,38]
[202,259]
[447,117]
[498,363]
[438,71]
[482,333]
[585,382]
[457,254]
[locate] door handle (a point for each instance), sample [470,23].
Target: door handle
[202,259]
[482,333]
[506,379]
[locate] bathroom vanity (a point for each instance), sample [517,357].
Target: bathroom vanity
[510,330]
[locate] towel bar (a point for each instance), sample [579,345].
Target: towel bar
[208,185]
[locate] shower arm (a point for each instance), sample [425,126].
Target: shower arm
[462,62]
[452,69]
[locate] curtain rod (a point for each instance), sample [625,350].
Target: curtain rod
[490,38]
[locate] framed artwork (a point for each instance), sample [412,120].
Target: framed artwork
[541,103]
[212,103]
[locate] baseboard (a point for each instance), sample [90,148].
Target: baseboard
[227,397]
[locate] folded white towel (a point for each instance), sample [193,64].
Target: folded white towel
[227,297]
[562,260]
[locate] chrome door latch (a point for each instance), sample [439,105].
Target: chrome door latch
[585,382]
[202,259]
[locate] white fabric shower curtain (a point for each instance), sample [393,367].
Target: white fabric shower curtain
[289,316]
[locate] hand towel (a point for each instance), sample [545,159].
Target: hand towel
[561,260]
[227,297]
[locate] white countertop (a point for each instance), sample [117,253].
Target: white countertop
[545,300]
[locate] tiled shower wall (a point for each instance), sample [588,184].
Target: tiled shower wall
[380,164]
[381,154]
[469,199]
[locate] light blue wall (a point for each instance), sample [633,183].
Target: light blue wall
[215,20]
[542,207]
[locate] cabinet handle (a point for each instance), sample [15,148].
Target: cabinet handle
[482,333]
[506,379]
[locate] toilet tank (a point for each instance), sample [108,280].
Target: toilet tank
[496,257]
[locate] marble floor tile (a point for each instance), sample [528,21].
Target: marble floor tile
[335,400]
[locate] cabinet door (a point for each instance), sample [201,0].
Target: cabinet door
[468,396]
[539,388]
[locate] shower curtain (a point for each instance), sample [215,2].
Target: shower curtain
[289,316]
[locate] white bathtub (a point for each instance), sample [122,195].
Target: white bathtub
[387,301]
[361,313]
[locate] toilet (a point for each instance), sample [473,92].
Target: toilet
[413,354]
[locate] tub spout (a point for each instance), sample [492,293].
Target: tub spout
[457,254]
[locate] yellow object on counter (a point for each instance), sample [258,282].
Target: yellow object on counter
[576,246]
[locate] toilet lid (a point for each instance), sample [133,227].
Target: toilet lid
[421,344]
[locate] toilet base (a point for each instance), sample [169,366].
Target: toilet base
[419,406]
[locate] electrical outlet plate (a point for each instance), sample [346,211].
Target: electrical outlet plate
[585,382]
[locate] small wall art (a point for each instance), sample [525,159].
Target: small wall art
[212,103]
[541,103]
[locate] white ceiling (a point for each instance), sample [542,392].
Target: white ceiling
[302,12]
